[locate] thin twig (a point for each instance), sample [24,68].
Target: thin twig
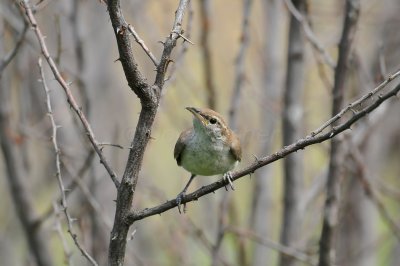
[142,44]
[382,61]
[310,34]
[102,144]
[71,187]
[94,204]
[9,57]
[296,146]
[356,103]
[70,98]
[198,233]
[370,193]
[58,169]
[59,230]
[181,54]
[288,251]
[208,70]
[240,64]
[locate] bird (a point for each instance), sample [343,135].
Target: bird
[208,148]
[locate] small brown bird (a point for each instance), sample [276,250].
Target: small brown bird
[210,147]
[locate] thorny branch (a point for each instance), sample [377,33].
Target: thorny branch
[298,145]
[64,206]
[58,228]
[352,106]
[150,98]
[327,250]
[70,98]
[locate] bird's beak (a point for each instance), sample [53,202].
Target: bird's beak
[196,112]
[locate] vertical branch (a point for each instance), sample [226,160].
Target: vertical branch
[64,205]
[205,16]
[79,55]
[150,98]
[70,98]
[10,56]
[326,250]
[179,60]
[239,81]
[240,64]
[21,196]
[292,130]
[59,230]
[272,74]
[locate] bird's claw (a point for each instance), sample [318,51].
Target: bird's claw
[228,176]
[179,199]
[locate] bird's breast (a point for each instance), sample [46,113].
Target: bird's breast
[203,156]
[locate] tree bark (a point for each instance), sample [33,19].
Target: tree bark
[149,98]
[329,227]
[261,217]
[292,130]
[23,201]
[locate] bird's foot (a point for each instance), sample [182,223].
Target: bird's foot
[179,200]
[228,176]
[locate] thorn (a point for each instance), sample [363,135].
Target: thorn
[256,158]
[118,59]
[186,39]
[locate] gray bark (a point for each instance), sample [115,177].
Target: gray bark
[263,183]
[292,130]
[22,198]
[331,211]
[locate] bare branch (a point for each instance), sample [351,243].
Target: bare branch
[296,146]
[179,58]
[142,44]
[94,204]
[331,209]
[9,57]
[357,103]
[59,230]
[67,90]
[205,16]
[310,34]
[64,205]
[369,191]
[240,76]
[149,97]
[287,251]
[21,196]
[71,187]
[292,128]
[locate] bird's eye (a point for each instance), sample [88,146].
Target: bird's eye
[213,120]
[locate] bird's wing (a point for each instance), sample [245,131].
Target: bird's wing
[236,149]
[180,145]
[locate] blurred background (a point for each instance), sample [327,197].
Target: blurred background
[239,66]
